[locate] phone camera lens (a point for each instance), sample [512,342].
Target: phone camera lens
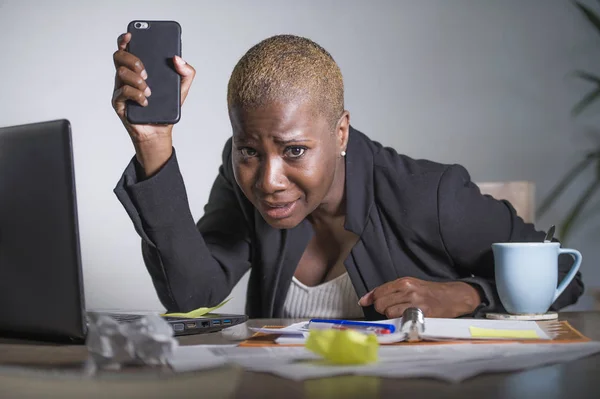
[138,25]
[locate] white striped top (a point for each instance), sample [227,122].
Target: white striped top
[334,299]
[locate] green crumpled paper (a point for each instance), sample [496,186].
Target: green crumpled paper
[196,312]
[343,346]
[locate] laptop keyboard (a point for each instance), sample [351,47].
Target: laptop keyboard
[121,317]
[124,316]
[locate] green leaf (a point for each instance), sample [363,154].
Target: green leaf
[590,15]
[571,218]
[587,76]
[586,101]
[563,184]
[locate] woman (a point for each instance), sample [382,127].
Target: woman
[330,223]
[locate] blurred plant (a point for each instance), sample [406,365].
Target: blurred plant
[591,158]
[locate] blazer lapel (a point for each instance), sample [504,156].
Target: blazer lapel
[371,265]
[280,253]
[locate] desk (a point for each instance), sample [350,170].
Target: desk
[53,371]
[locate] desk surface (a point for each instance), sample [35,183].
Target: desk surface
[53,370]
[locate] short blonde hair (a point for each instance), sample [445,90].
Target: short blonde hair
[287,68]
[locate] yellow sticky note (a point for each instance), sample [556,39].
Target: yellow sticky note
[197,312]
[343,346]
[477,332]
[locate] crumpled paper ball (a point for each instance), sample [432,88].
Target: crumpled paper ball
[343,346]
[111,345]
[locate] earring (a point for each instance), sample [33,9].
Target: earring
[343,153]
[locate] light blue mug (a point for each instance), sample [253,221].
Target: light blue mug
[527,274]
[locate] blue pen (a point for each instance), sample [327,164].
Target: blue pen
[380,328]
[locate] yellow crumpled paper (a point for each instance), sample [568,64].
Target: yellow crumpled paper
[196,312]
[343,346]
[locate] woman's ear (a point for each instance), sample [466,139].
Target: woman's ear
[342,130]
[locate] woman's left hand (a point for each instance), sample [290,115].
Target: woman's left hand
[448,299]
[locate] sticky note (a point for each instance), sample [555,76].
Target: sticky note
[477,332]
[343,346]
[197,312]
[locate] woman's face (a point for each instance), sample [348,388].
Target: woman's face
[286,159]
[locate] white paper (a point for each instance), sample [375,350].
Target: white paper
[111,344]
[292,339]
[535,355]
[293,329]
[195,357]
[451,362]
[263,352]
[449,329]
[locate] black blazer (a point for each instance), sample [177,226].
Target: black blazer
[414,218]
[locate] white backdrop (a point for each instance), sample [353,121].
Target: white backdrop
[482,83]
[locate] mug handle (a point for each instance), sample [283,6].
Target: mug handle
[577,256]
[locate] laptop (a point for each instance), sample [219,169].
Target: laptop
[41,285]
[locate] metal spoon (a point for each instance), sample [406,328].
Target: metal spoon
[549,234]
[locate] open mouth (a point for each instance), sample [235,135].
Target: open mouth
[279,210]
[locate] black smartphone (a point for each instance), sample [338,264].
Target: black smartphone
[155,43]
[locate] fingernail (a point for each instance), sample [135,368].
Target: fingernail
[364,296]
[179,60]
[147,92]
[145,102]
[144,74]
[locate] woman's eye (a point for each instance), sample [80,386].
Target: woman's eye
[248,152]
[295,152]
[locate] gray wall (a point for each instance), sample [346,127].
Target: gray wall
[481,83]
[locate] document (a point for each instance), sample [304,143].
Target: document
[196,357]
[450,362]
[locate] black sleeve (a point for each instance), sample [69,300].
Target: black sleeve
[471,222]
[191,265]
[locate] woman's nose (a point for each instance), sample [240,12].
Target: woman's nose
[271,177]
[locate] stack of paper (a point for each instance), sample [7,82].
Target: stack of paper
[197,357]
[452,362]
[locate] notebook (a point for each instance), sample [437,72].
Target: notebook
[439,330]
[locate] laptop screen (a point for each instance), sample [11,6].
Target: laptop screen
[41,289]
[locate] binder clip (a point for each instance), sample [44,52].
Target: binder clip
[413,324]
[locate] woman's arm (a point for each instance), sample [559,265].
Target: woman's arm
[471,222]
[191,265]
